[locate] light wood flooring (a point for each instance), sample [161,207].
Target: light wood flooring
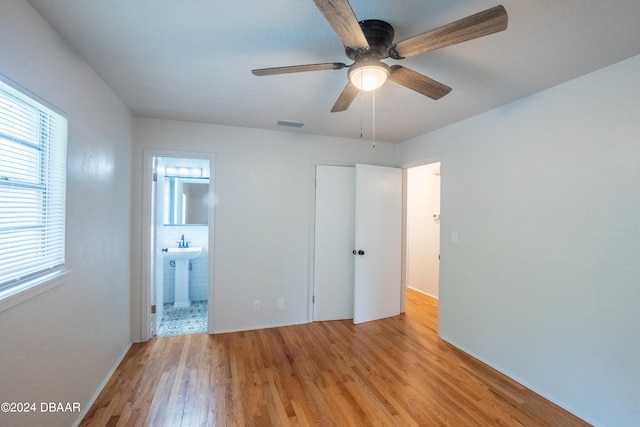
[391,372]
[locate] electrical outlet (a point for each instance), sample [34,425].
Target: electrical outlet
[256,306]
[280,303]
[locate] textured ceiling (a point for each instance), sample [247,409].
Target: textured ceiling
[192,60]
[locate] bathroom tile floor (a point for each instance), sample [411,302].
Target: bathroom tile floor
[183,321]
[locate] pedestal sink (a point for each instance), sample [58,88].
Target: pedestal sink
[182,256]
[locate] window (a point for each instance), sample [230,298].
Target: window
[33,157]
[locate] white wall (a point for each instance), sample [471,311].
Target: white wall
[264,205]
[544,283]
[60,345]
[423,230]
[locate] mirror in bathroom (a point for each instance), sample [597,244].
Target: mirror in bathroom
[186,201]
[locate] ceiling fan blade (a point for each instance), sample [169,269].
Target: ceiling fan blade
[345,99]
[481,24]
[344,22]
[416,81]
[298,68]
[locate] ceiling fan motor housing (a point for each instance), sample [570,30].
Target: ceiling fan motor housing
[379,35]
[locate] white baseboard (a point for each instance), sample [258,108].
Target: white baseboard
[89,404]
[255,328]
[422,292]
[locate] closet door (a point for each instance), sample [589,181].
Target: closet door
[378,240]
[358,230]
[334,231]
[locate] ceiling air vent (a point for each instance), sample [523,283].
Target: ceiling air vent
[290,124]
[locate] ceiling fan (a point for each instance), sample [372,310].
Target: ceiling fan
[367,42]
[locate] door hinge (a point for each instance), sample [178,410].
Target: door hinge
[153,309]
[313,299]
[154,176]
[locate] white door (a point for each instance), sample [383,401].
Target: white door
[334,239]
[378,240]
[156,262]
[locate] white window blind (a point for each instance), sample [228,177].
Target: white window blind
[33,157]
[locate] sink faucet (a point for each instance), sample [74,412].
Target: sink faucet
[182,243]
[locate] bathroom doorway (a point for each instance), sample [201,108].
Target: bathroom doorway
[180,243]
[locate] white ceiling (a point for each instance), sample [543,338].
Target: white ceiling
[192,60]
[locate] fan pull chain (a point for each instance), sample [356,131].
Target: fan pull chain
[361,96]
[373,126]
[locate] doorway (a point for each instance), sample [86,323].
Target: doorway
[422,262]
[178,244]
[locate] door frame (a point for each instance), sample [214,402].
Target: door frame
[145,277]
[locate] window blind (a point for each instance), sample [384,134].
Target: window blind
[33,153]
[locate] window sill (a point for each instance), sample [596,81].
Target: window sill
[30,289]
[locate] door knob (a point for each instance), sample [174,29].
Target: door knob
[358,252]
[165,249]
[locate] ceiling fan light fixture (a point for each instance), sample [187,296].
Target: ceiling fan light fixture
[369,76]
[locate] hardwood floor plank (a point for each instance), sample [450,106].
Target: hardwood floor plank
[392,372]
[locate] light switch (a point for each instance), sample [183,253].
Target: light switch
[454,237]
